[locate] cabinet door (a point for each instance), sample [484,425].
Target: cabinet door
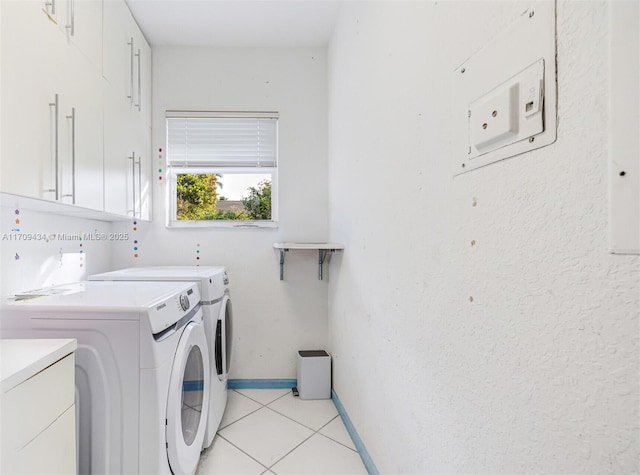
[81,23]
[53,451]
[142,77]
[143,176]
[82,135]
[118,167]
[119,49]
[127,72]
[65,148]
[51,111]
[32,46]
[142,107]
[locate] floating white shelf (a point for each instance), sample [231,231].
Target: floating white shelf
[323,249]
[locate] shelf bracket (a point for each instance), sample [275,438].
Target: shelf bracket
[322,254]
[282,251]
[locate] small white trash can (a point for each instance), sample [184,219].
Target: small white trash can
[314,374]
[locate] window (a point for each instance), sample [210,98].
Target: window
[222,168]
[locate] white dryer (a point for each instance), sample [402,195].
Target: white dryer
[213,284]
[142,369]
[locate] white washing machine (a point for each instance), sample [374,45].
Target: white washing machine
[213,284]
[142,369]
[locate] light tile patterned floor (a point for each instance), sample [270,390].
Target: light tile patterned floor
[269,431]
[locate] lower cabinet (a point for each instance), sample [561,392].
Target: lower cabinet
[51,452]
[39,422]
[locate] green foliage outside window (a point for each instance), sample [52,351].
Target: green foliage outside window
[258,203]
[197,196]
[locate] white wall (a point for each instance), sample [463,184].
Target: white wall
[273,319]
[539,373]
[39,249]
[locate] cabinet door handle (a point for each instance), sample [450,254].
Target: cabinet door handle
[133,182]
[54,104]
[73,154]
[140,187]
[51,5]
[138,105]
[71,26]
[130,96]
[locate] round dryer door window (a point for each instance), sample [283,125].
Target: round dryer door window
[192,395]
[188,401]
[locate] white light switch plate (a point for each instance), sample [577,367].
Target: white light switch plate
[504,96]
[508,114]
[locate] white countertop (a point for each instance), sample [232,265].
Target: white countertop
[20,359]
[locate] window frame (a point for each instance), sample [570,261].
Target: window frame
[173,171]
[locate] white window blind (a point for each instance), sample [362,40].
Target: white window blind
[222,140]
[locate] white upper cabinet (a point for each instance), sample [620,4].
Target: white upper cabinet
[142,78]
[76,96]
[143,183]
[81,23]
[82,134]
[33,52]
[127,96]
[142,104]
[117,59]
[127,162]
[118,168]
[127,56]
[51,110]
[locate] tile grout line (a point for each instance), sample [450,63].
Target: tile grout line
[255,460]
[248,397]
[286,417]
[315,432]
[290,451]
[265,406]
[248,414]
[334,440]
[297,422]
[243,417]
[311,428]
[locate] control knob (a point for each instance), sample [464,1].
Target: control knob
[184,302]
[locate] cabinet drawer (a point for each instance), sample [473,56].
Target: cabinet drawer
[32,406]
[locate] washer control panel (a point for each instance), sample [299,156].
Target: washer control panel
[170,310]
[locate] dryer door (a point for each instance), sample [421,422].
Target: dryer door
[188,401]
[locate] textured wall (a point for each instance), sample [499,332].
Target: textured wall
[272,319]
[518,353]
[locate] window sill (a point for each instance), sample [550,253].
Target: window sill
[222,224]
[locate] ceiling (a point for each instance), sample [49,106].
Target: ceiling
[267,23]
